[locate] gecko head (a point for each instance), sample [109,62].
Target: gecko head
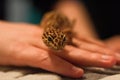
[54,39]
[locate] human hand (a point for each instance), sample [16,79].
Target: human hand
[114,44]
[21,45]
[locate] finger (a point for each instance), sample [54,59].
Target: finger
[92,47]
[118,58]
[113,44]
[91,40]
[86,58]
[39,58]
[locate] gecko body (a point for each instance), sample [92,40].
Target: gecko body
[57,30]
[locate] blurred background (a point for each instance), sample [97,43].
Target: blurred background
[105,14]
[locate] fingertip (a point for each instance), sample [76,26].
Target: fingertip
[118,58]
[108,61]
[111,62]
[79,73]
[76,72]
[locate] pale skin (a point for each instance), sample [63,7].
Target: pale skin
[114,44]
[21,45]
[85,29]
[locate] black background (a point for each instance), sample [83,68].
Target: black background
[104,13]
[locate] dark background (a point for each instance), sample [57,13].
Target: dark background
[2,2]
[105,14]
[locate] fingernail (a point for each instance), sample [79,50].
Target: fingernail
[106,57]
[108,61]
[117,55]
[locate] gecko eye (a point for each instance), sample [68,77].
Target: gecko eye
[50,39]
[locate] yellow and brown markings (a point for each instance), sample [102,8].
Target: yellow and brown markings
[57,30]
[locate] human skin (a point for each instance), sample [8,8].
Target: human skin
[114,44]
[21,45]
[84,28]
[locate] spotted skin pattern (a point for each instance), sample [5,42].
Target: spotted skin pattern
[57,30]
